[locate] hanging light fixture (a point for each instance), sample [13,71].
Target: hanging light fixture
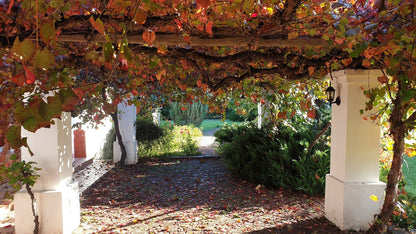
[330,95]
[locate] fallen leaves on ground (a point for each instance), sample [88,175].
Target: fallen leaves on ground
[194,195]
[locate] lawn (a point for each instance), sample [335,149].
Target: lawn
[409,171]
[209,124]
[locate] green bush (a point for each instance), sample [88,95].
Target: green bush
[107,151]
[185,138]
[404,214]
[185,114]
[276,156]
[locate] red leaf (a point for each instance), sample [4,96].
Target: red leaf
[281,115]
[30,77]
[149,36]
[98,25]
[19,79]
[208,28]
[10,6]
[134,92]
[187,38]
[383,79]
[311,114]
[203,3]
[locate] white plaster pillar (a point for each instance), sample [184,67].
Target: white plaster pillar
[355,145]
[56,196]
[156,116]
[126,120]
[259,115]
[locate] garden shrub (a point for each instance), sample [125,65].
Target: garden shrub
[404,214]
[186,114]
[107,150]
[276,156]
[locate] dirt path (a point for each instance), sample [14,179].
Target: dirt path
[194,196]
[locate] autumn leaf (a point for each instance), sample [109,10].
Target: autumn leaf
[24,50]
[187,38]
[19,79]
[98,25]
[383,79]
[149,36]
[311,70]
[203,3]
[140,17]
[281,115]
[44,59]
[30,77]
[47,32]
[311,114]
[366,63]
[208,28]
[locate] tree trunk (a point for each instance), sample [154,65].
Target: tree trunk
[119,138]
[398,130]
[34,211]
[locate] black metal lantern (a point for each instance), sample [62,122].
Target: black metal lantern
[330,96]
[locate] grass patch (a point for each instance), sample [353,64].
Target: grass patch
[209,124]
[409,171]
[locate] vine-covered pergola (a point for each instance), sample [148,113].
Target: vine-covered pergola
[86,57]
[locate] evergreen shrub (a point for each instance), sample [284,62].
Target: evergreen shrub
[186,114]
[276,156]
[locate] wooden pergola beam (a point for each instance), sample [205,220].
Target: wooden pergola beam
[178,40]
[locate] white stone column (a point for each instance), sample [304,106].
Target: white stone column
[259,115]
[156,116]
[56,196]
[126,120]
[355,145]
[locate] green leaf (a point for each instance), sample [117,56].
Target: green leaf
[248,5]
[407,95]
[24,50]
[30,124]
[358,50]
[52,109]
[98,25]
[44,59]
[14,136]
[47,32]
[108,51]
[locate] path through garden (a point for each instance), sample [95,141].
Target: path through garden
[188,195]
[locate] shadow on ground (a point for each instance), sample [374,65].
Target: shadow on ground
[194,195]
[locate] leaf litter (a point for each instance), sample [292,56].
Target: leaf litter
[194,196]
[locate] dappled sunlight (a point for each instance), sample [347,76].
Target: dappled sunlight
[194,195]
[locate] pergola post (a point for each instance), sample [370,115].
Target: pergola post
[353,193]
[56,196]
[127,124]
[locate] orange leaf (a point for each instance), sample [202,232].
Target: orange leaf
[383,79]
[149,36]
[140,17]
[339,40]
[311,114]
[311,70]
[366,63]
[281,115]
[208,28]
[203,3]
[30,77]
[19,79]
[98,25]
[134,92]
[187,38]
[10,6]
